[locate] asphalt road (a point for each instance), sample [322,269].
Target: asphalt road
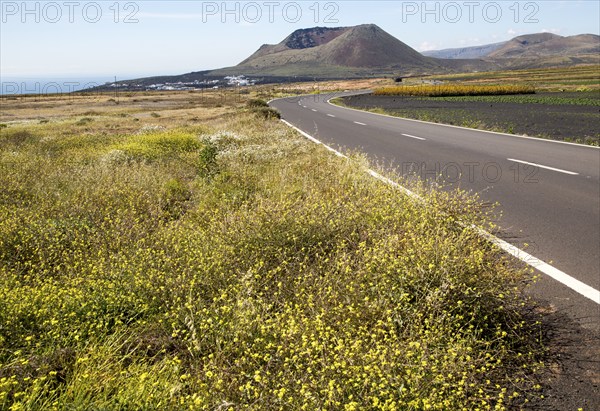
[549,192]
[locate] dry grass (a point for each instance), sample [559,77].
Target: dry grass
[34,106]
[293,89]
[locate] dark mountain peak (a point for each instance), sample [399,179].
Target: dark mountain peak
[374,28]
[312,37]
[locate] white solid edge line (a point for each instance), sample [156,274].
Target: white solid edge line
[462,128]
[359,123]
[408,135]
[552,272]
[563,278]
[542,166]
[337,153]
[314,140]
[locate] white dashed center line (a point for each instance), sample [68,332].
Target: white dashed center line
[415,137]
[359,123]
[330,115]
[546,167]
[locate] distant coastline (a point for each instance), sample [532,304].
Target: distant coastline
[49,85]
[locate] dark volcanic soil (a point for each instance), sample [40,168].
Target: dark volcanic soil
[571,378]
[556,121]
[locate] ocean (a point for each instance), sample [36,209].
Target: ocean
[49,85]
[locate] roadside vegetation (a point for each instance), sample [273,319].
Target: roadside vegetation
[211,258]
[447,90]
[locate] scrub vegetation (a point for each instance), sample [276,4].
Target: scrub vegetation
[211,258]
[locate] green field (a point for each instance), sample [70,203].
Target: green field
[208,257]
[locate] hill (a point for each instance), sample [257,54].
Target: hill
[343,51]
[365,46]
[531,51]
[547,50]
[548,45]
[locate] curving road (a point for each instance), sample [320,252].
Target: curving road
[549,192]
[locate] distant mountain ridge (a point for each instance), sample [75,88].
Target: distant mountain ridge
[528,46]
[473,52]
[548,45]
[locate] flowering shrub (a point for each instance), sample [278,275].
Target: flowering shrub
[287,280]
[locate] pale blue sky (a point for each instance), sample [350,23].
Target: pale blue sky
[80,38]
